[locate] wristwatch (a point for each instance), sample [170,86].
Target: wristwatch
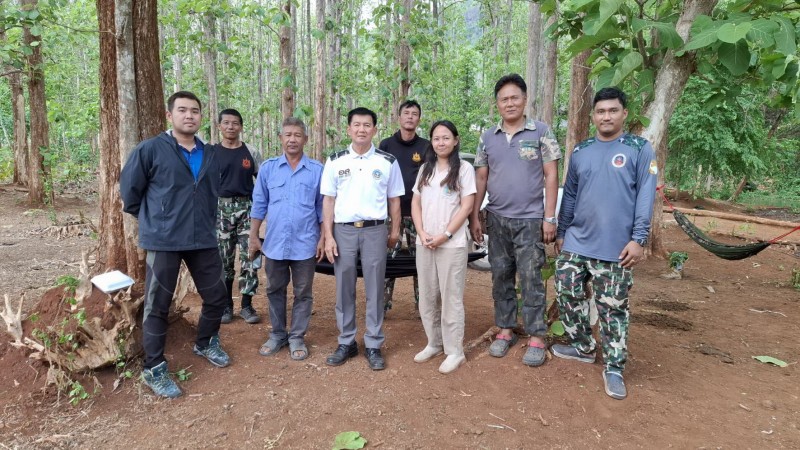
[448,234]
[552,220]
[642,242]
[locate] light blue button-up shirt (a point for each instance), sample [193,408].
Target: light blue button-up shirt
[291,202]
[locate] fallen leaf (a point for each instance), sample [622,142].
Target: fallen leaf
[771,360]
[711,289]
[349,440]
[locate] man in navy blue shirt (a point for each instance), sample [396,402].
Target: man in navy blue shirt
[171,183]
[287,196]
[602,231]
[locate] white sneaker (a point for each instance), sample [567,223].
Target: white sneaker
[427,353]
[451,363]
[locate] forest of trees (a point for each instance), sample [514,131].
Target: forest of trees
[714,84]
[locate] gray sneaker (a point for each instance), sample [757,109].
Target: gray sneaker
[227,315]
[249,314]
[213,353]
[570,352]
[159,381]
[615,385]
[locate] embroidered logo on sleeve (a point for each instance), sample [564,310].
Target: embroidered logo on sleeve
[653,167]
[618,161]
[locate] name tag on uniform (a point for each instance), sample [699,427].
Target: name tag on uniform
[344,173]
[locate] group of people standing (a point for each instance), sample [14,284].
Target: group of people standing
[198,203]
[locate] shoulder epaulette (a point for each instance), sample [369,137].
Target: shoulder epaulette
[274,158]
[389,157]
[584,144]
[339,154]
[633,141]
[314,161]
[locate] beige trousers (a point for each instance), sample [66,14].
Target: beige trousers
[441,296]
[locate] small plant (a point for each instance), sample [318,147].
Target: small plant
[183,374]
[796,278]
[77,393]
[710,226]
[69,282]
[677,259]
[746,228]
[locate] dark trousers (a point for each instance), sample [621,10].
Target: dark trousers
[205,266]
[301,272]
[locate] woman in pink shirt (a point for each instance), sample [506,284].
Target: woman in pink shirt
[444,193]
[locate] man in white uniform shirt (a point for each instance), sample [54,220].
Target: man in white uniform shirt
[358,184]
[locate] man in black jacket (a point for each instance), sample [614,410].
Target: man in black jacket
[171,184]
[409,149]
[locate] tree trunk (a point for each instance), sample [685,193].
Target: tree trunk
[533,63]
[210,72]
[177,63]
[21,155]
[111,253]
[405,52]
[670,82]
[549,74]
[580,106]
[318,143]
[149,84]
[128,122]
[287,73]
[40,128]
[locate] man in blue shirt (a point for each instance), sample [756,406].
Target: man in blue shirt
[287,195]
[602,231]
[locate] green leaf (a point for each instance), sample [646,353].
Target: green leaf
[761,34]
[349,440]
[771,360]
[608,32]
[733,32]
[605,77]
[703,33]
[317,34]
[784,36]
[666,31]
[607,9]
[629,63]
[735,57]
[557,328]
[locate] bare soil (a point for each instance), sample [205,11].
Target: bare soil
[691,375]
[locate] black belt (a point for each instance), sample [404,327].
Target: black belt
[363,223]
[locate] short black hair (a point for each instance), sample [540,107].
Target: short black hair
[611,93]
[512,78]
[182,94]
[294,122]
[361,111]
[409,104]
[230,112]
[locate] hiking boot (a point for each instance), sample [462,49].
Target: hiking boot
[615,385]
[248,313]
[570,352]
[227,315]
[213,353]
[159,381]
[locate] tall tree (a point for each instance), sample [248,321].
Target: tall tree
[318,146]
[580,105]
[210,72]
[405,51]
[549,73]
[287,50]
[19,127]
[149,84]
[533,63]
[38,172]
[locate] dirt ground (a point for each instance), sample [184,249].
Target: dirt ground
[691,376]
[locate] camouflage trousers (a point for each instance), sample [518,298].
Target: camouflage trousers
[233,230]
[610,284]
[408,234]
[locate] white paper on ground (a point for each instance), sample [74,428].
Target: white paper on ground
[112,281]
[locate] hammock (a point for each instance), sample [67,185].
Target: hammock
[725,251]
[402,265]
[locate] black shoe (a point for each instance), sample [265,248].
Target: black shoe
[375,359]
[342,354]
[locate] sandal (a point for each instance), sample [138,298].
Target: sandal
[298,346]
[501,344]
[535,355]
[272,346]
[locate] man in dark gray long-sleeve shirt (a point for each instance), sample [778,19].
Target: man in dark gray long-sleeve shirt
[602,231]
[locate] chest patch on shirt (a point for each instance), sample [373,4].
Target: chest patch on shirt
[416,157]
[619,160]
[376,174]
[246,163]
[344,173]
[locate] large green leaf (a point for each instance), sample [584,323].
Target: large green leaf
[703,33]
[607,9]
[605,77]
[666,31]
[771,360]
[761,34]
[629,63]
[349,440]
[735,57]
[607,32]
[785,41]
[733,32]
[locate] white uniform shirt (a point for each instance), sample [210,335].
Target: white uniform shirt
[361,184]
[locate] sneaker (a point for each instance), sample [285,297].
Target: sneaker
[159,381]
[615,385]
[427,353]
[451,363]
[248,313]
[570,352]
[227,315]
[213,353]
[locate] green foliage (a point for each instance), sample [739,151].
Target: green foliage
[77,393]
[677,259]
[796,278]
[557,328]
[349,440]
[69,282]
[183,374]
[771,360]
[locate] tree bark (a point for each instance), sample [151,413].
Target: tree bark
[21,155]
[318,143]
[670,82]
[405,52]
[580,106]
[533,63]
[210,72]
[111,254]
[549,74]
[149,84]
[40,128]
[287,73]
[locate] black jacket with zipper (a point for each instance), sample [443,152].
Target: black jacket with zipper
[157,186]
